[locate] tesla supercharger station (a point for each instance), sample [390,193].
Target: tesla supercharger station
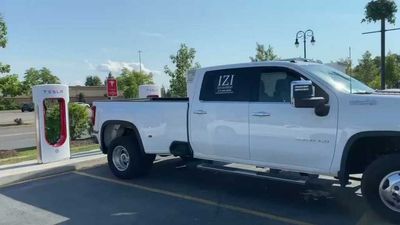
[52,131]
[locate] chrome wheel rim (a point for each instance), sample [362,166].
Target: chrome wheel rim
[120,158]
[389,191]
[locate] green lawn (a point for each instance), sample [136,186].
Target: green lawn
[31,153]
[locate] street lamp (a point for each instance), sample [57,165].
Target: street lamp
[304,35]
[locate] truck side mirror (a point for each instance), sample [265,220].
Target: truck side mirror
[303,96]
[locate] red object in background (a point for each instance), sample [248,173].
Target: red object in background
[112,87]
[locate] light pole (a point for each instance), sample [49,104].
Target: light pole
[304,35]
[140,61]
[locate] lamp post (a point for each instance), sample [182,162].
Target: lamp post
[304,35]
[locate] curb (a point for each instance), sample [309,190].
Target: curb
[12,179]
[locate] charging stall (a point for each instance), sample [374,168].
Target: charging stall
[52,131]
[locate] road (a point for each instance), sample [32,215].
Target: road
[12,136]
[179,196]
[15,137]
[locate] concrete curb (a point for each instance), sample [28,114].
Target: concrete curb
[32,170]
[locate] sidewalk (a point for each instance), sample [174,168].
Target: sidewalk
[31,169]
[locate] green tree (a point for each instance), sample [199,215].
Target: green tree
[347,64]
[183,61]
[4,68]
[93,81]
[10,86]
[165,93]
[381,10]
[262,54]
[392,70]
[36,77]
[367,71]
[130,80]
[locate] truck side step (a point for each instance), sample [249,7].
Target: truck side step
[283,176]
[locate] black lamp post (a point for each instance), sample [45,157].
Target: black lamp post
[304,35]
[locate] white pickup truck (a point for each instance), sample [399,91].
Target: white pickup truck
[293,115]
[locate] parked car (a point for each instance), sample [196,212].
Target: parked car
[27,107]
[293,115]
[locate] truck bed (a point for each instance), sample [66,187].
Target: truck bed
[159,121]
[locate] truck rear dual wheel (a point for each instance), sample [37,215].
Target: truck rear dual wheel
[381,186]
[125,159]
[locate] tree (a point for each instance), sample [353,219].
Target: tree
[392,65]
[36,77]
[10,86]
[130,80]
[4,68]
[381,10]
[366,70]
[93,81]
[183,61]
[347,64]
[165,93]
[262,54]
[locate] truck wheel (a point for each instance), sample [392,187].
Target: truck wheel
[381,186]
[126,160]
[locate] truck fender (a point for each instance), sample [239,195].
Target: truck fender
[125,124]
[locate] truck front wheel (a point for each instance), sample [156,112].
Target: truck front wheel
[381,186]
[126,160]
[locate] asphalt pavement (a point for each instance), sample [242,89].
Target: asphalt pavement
[175,195]
[13,136]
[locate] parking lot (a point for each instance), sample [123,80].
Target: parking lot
[175,195]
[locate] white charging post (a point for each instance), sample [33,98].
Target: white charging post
[51,106]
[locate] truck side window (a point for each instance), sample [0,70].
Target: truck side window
[227,85]
[275,86]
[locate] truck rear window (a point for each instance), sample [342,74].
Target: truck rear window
[227,85]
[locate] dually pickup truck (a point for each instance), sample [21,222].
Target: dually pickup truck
[292,116]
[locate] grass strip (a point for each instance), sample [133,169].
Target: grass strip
[31,154]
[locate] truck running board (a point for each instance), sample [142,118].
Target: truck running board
[283,176]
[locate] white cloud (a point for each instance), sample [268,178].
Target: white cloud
[116,67]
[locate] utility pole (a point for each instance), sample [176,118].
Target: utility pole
[383,54]
[140,61]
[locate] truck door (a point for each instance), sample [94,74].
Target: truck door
[219,115]
[288,137]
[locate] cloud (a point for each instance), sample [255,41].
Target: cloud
[116,67]
[152,34]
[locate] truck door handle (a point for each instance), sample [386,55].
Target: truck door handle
[200,112]
[260,114]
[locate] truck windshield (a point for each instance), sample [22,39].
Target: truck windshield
[339,80]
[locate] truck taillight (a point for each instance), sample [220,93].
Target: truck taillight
[93,115]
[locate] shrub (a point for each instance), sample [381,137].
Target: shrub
[8,104]
[78,122]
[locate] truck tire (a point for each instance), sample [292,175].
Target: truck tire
[125,159]
[381,186]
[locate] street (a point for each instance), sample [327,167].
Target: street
[13,136]
[174,195]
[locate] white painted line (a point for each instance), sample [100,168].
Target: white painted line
[18,134]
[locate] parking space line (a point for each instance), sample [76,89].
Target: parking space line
[35,179]
[199,200]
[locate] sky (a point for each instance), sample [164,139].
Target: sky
[77,38]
